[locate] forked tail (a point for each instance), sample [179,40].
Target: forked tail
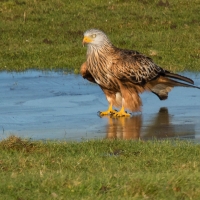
[166,83]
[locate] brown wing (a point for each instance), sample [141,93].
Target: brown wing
[136,68]
[85,73]
[139,69]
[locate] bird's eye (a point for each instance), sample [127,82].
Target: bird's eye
[94,35]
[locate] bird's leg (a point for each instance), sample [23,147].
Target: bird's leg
[121,113]
[107,112]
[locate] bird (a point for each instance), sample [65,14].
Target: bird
[124,74]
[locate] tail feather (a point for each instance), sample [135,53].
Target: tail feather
[177,83]
[164,86]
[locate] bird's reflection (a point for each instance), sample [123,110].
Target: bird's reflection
[124,128]
[158,126]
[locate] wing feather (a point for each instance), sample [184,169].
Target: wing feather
[134,67]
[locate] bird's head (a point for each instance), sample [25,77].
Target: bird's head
[95,37]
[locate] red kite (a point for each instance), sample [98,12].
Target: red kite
[123,74]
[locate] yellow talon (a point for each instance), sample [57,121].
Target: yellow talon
[108,112]
[121,113]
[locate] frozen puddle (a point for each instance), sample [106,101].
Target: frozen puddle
[53,105]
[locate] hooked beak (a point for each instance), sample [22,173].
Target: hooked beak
[86,40]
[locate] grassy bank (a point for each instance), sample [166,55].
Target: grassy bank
[103,169]
[48,34]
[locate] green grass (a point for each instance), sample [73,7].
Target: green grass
[102,169]
[47,34]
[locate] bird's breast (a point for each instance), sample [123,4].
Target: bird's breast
[100,68]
